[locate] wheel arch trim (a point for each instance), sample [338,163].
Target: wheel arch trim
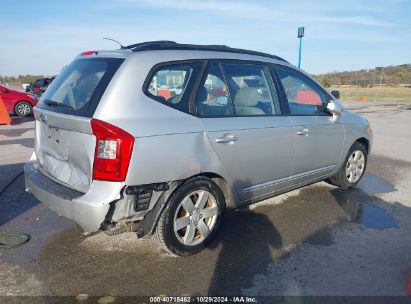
[150,220]
[365,142]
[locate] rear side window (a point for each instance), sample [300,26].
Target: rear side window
[252,89]
[172,84]
[78,89]
[213,98]
[237,89]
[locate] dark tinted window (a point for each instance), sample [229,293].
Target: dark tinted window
[78,89]
[304,96]
[252,89]
[172,84]
[213,98]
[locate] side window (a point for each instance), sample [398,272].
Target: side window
[172,84]
[252,89]
[304,97]
[213,98]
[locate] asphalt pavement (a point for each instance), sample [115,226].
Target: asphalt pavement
[318,240]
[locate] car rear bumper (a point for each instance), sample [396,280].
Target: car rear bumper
[87,209]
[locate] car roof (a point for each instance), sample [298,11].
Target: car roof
[172,45]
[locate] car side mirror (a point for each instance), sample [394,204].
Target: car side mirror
[336,94]
[335,109]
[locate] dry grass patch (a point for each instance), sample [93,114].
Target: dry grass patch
[374,93]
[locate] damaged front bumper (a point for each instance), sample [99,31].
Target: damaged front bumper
[87,209]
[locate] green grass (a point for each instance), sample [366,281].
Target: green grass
[374,93]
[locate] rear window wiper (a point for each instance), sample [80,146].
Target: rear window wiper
[51,103]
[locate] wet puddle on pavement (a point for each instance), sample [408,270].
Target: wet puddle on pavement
[356,207]
[374,217]
[362,208]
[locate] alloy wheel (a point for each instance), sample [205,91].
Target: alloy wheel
[195,217]
[355,166]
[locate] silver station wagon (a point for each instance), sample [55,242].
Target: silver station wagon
[160,138]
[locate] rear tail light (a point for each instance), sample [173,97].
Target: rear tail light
[113,151]
[88,53]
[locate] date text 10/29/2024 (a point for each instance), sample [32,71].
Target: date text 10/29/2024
[200,299]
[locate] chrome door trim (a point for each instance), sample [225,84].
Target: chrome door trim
[266,184]
[312,172]
[290,178]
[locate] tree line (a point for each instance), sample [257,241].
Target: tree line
[389,76]
[19,80]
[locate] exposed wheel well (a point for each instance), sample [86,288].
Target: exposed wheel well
[149,223]
[365,142]
[222,184]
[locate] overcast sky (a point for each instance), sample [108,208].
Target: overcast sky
[40,37]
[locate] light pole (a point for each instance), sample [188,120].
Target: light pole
[300,35]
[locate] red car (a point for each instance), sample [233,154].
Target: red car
[17,102]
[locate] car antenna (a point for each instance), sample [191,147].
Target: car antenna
[121,46]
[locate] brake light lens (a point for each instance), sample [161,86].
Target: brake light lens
[87,53]
[112,156]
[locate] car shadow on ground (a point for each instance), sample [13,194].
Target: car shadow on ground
[13,132]
[26,142]
[247,240]
[13,198]
[17,120]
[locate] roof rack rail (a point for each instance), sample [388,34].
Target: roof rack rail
[172,45]
[137,46]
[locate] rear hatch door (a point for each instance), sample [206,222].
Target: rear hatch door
[64,143]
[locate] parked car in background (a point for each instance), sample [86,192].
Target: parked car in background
[18,102]
[24,86]
[40,85]
[136,139]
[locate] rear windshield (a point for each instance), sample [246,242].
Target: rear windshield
[79,87]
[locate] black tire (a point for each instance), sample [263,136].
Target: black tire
[165,235]
[23,109]
[340,179]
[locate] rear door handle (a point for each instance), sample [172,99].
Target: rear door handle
[303,131]
[226,138]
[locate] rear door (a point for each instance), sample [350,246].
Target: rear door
[241,113]
[64,143]
[318,139]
